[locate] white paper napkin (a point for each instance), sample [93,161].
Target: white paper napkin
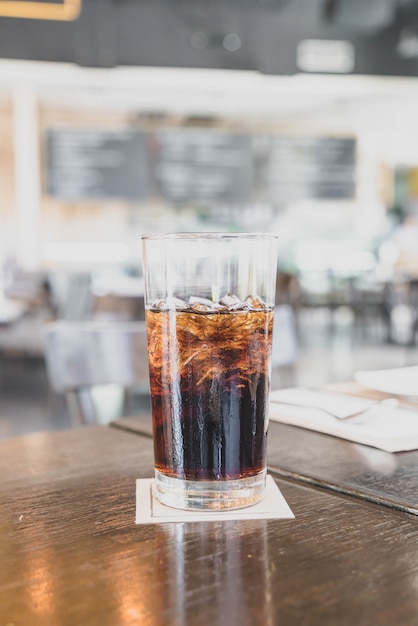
[400,380]
[389,429]
[150,511]
[341,405]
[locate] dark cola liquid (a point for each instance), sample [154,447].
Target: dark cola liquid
[209,376]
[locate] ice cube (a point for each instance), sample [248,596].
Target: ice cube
[230,300]
[255,302]
[197,300]
[241,306]
[232,303]
[201,305]
[194,299]
[168,304]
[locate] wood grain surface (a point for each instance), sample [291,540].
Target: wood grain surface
[390,479]
[71,554]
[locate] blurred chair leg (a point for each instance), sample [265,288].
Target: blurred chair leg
[414,330]
[56,408]
[81,407]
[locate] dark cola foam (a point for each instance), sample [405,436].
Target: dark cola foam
[209,375]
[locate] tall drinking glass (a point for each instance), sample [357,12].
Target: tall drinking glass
[209,300]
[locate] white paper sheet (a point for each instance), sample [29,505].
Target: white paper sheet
[150,511]
[340,405]
[401,380]
[389,429]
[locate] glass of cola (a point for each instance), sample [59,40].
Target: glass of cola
[209,300]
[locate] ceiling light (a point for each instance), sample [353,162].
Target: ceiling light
[231,42]
[325,55]
[407,47]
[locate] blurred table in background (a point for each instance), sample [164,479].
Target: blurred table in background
[118,295]
[10,312]
[24,308]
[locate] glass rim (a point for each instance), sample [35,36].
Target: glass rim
[207,235]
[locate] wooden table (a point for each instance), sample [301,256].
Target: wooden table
[71,554]
[314,458]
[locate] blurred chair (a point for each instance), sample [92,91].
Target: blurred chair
[370,301]
[284,347]
[285,341]
[413,304]
[82,355]
[78,300]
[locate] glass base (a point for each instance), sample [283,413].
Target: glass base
[210,495]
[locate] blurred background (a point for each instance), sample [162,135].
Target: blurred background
[124,117]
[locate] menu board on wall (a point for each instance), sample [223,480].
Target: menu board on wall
[198,167]
[88,164]
[311,168]
[203,166]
